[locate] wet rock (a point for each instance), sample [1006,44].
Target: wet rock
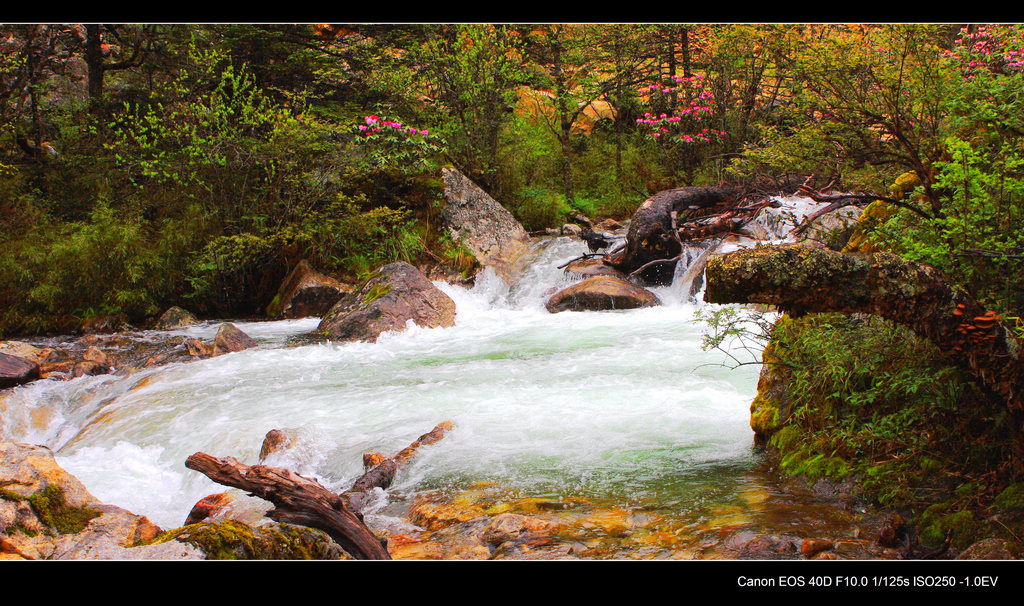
[510,526]
[601,293]
[208,506]
[90,368]
[391,297]
[588,268]
[988,549]
[750,545]
[175,317]
[448,544]
[812,547]
[538,549]
[46,513]
[57,370]
[95,354]
[230,339]
[482,225]
[306,292]
[276,440]
[16,371]
[196,348]
[432,511]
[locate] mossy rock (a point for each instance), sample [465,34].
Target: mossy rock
[1010,499]
[51,507]
[874,214]
[233,540]
[937,521]
[904,184]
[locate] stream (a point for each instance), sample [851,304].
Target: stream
[617,414]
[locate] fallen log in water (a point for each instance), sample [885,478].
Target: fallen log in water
[651,234]
[802,280]
[380,470]
[297,500]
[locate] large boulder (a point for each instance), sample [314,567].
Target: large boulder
[306,292]
[482,225]
[46,513]
[15,370]
[601,293]
[392,296]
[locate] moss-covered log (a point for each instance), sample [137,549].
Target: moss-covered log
[802,280]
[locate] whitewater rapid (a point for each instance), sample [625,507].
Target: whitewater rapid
[620,405]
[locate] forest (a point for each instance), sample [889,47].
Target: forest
[144,166]
[150,165]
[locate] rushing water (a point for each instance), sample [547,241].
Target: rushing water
[620,406]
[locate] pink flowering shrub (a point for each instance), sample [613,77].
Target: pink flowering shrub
[681,111]
[993,48]
[374,124]
[389,142]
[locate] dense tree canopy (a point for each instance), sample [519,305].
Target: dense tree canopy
[147,165]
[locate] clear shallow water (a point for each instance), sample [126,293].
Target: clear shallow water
[620,406]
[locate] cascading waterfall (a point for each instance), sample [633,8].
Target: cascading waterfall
[622,406]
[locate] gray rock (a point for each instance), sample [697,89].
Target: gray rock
[393,295]
[482,225]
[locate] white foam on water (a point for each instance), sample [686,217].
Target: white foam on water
[603,403]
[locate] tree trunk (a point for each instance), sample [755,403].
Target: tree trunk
[801,280]
[650,236]
[94,62]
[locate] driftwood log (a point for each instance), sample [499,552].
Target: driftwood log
[380,470]
[299,500]
[801,280]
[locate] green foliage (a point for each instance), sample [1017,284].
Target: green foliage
[242,271]
[873,401]
[104,266]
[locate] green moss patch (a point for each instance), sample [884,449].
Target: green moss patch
[52,509]
[233,540]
